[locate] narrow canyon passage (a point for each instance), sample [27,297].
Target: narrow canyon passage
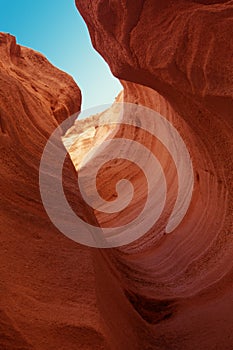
[163,290]
[161,281]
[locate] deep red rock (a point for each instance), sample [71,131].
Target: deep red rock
[47,281]
[176,294]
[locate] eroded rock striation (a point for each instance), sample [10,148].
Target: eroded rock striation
[163,291]
[176,58]
[47,281]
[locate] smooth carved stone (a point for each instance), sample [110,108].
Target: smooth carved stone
[175,293]
[47,281]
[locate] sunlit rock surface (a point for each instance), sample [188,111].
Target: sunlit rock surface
[175,293]
[164,291]
[46,281]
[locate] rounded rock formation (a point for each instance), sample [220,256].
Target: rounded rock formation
[47,281]
[176,58]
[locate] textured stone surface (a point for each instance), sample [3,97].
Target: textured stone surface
[46,281]
[175,294]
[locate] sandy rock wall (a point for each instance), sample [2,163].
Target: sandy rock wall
[47,281]
[175,294]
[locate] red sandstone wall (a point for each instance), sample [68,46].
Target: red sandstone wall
[176,294]
[46,281]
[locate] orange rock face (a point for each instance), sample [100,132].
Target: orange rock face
[175,293]
[163,291]
[47,281]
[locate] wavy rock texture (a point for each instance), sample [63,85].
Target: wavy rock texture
[175,293]
[46,281]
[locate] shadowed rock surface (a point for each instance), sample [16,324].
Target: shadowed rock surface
[163,291]
[175,293]
[46,281]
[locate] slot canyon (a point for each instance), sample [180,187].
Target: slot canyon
[168,291]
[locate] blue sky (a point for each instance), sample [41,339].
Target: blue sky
[56,29]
